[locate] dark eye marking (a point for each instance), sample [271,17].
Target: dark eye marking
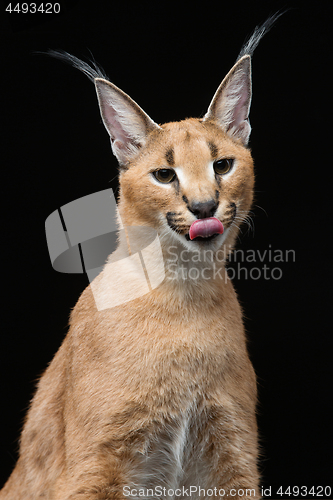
[213,150]
[170,157]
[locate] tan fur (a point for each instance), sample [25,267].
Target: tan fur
[158,390]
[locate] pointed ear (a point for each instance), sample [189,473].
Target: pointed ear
[231,103]
[126,123]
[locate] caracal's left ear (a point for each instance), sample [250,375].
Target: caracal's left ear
[127,124]
[231,103]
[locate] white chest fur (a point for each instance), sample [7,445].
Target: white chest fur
[166,462]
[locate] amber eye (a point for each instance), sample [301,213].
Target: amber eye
[165,175]
[223,166]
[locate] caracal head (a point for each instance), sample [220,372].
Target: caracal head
[192,180]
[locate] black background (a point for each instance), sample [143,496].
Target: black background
[170,58]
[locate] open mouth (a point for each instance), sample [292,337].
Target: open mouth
[205,229]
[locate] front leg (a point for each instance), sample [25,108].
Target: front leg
[222,463]
[235,455]
[102,477]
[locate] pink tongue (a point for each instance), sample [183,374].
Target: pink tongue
[206,227]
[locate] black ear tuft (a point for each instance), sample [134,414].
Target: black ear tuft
[92,72]
[259,31]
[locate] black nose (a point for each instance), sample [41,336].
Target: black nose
[202,210]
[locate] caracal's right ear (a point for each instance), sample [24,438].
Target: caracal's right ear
[230,106]
[127,124]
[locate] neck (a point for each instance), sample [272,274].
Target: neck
[147,262]
[197,274]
